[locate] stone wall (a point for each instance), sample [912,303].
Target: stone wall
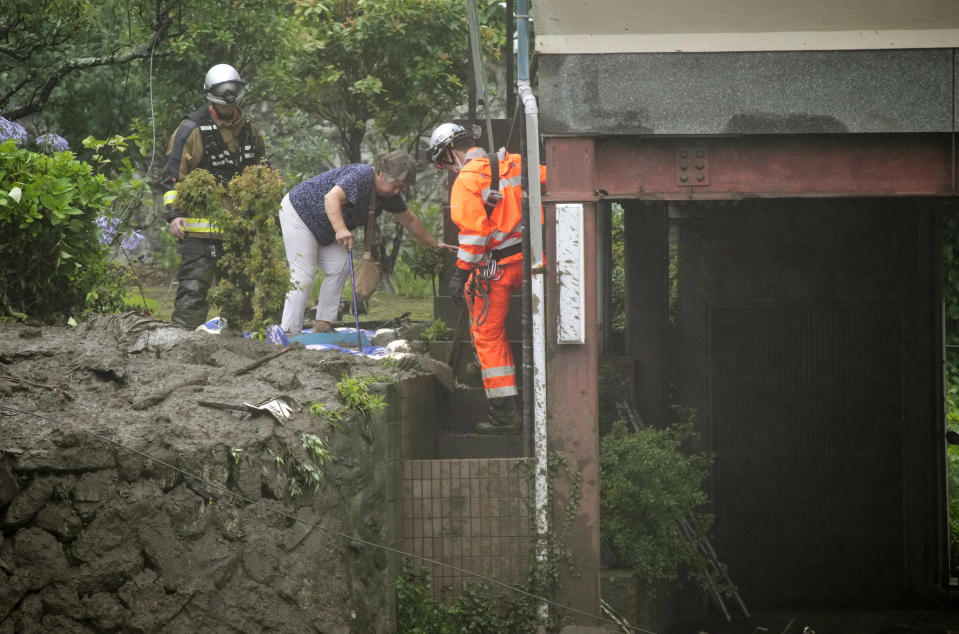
[97,538]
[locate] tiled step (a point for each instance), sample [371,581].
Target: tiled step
[468,408]
[471,446]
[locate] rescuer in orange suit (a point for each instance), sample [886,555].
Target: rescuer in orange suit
[489,261]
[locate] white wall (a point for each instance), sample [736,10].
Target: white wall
[643,26]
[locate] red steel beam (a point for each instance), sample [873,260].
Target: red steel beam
[731,167]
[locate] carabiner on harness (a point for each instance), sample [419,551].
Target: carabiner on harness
[489,270]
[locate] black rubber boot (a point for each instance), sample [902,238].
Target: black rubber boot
[503,417]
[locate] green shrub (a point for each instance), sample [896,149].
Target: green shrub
[427,262]
[254,277]
[408,284]
[50,250]
[355,394]
[649,485]
[478,610]
[950,291]
[437,331]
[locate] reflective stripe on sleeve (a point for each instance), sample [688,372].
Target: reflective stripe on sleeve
[467,238]
[169,197]
[515,181]
[199,225]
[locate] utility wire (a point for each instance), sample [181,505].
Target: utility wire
[124,215]
[330,531]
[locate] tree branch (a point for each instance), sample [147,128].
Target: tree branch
[40,96]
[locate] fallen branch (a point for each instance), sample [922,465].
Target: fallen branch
[262,360]
[157,397]
[13,379]
[232,407]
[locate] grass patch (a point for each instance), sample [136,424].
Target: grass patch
[382,306]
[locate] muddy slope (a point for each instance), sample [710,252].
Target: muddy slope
[101,530]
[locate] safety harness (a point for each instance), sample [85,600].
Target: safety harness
[217,157]
[488,270]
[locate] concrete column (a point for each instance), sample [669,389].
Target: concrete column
[573,379]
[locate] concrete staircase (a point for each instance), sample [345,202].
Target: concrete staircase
[456,439]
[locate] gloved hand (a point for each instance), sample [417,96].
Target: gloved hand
[457,282]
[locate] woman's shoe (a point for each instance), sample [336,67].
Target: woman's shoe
[321,326]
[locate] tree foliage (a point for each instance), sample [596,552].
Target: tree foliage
[314,68]
[399,63]
[45,41]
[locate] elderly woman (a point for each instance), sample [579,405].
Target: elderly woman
[317,218]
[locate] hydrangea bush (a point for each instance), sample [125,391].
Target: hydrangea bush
[12,130]
[52,143]
[56,228]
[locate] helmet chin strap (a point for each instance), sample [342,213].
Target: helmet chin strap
[458,162]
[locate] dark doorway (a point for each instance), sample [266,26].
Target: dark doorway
[806,334]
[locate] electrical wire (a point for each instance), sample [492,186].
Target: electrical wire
[329,531]
[125,214]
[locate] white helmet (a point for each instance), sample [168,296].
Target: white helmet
[223,85]
[443,138]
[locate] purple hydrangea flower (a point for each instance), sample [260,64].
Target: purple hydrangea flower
[12,130]
[108,227]
[52,142]
[132,240]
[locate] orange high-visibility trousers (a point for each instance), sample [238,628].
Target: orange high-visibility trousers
[489,335]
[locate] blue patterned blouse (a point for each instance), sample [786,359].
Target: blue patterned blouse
[357,181]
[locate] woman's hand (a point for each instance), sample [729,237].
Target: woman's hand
[345,237]
[448,247]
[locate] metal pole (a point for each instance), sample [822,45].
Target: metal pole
[356,314]
[472,19]
[537,283]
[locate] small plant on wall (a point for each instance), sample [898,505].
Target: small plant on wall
[437,330]
[355,394]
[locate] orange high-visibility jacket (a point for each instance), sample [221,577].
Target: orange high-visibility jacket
[503,229]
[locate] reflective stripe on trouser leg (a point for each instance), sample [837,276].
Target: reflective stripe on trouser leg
[492,346]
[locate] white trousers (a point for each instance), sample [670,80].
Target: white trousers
[304,253]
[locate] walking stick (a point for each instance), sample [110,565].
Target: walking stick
[356,315]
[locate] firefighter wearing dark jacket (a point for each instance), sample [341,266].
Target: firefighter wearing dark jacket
[219,138]
[489,262]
